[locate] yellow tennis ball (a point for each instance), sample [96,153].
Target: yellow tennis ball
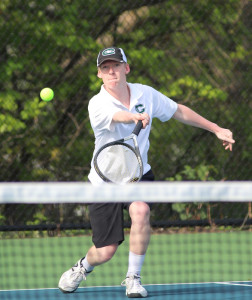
[46,94]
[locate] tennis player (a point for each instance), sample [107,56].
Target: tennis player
[113,113]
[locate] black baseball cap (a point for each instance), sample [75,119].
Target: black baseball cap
[111,53]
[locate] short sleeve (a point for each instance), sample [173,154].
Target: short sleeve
[163,107]
[101,114]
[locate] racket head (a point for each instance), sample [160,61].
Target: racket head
[119,163]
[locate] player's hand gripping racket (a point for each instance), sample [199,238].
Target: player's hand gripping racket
[118,162]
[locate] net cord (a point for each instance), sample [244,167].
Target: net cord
[159,192]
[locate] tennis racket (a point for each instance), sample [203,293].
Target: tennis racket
[119,162]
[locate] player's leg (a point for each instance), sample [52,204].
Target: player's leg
[140,227]
[139,241]
[71,279]
[107,226]
[98,256]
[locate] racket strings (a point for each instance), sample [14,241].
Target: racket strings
[119,164]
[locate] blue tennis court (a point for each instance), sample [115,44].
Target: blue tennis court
[206,291]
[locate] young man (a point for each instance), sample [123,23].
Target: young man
[113,113]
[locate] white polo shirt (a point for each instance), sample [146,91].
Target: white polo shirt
[143,98]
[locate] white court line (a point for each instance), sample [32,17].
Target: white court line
[241,283]
[155,284]
[46,289]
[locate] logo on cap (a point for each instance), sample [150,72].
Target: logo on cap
[109,51]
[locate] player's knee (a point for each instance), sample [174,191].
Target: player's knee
[106,253]
[139,212]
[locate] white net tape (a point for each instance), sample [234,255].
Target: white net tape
[79,192]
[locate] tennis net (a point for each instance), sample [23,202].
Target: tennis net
[201,234]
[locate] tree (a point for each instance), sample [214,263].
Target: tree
[197,53]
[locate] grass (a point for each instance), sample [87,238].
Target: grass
[171,258]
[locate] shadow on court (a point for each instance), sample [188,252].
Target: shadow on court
[204,291]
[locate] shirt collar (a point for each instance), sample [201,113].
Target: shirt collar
[135,94]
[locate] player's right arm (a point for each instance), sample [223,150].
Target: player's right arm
[128,117]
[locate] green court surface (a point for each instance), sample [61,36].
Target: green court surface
[171,258]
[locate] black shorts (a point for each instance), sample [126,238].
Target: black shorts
[107,220]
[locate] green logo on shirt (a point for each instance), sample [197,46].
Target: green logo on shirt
[140,108]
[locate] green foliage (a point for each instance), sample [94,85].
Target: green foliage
[201,172]
[38,218]
[2,219]
[10,124]
[193,53]
[199,89]
[33,109]
[194,211]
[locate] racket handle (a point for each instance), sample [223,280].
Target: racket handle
[138,127]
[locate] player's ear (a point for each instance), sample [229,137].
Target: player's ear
[127,69]
[99,73]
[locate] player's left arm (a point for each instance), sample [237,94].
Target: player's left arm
[187,116]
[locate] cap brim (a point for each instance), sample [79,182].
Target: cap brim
[106,59]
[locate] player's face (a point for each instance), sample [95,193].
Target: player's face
[113,73]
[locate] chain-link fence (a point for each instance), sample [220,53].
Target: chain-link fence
[196,52]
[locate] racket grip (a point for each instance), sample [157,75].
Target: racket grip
[138,127]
